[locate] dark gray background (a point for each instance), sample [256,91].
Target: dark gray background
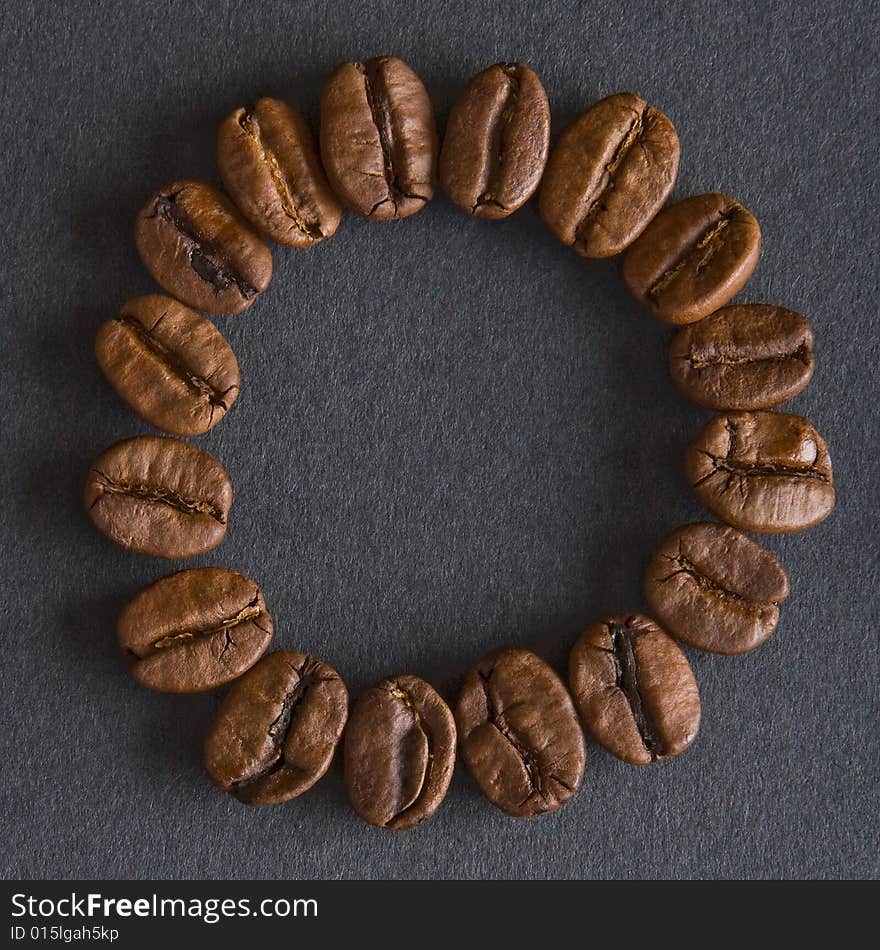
[451,435]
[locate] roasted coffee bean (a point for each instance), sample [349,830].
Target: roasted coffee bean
[519,733]
[270,167]
[496,141]
[171,365]
[752,356]
[200,249]
[399,753]
[159,496]
[634,689]
[379,138]
[609,174]
[715,589]
[194,630]
[693,257]
[277,729]
[762,471]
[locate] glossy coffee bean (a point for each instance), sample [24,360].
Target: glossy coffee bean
[171,365]
[762,471]
[519,733]
[634,689]
[194,630]
[159,496]
[277,729]
[496,142]
[751,356]
[379,138]
[715,589]
[609,174]
[693,257]
[201,250]
[270,168]
[399,753]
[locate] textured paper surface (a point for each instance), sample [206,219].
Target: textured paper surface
[451,434]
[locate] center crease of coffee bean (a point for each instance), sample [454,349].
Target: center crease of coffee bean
[709,242]
[744,470]
[197,384]
[497,720]
[496,164]
[204,259]
[280,726]
[801,355]
[607,183]
[383,121]
[247,614]
[251,126]
[683,565]
[626,668]
[162,496]
[419,723]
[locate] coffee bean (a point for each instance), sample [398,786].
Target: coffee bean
[269,166]
[200,249]
[277,729]
[194,630]
[159,496]
[746,357]
[399,753]
[496,141]
[715,589]
[634,689]
[609,174]
[519,733]
[762,471]
[171,365]
[693,257]
[379,138]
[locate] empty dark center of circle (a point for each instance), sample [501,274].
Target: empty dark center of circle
[452,435]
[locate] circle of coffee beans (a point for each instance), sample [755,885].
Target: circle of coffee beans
[602,192]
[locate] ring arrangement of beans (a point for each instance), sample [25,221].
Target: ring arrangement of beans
[602,192]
